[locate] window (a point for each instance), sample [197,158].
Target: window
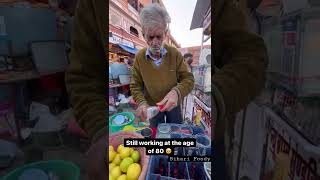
[134,4]
[134,31]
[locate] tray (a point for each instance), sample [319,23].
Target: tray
[179,170]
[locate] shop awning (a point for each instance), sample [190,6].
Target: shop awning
[199,12]
[128,49]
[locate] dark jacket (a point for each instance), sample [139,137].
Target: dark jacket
[86,77]
[242,59]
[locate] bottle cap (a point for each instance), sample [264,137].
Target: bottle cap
[160,107]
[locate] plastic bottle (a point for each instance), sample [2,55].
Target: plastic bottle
[152,111]
[198,118]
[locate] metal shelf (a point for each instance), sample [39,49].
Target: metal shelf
[285,119]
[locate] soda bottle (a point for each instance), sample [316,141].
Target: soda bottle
[160,166]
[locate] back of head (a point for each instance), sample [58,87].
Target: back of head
[187,55]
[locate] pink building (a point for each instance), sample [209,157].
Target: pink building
[124,25]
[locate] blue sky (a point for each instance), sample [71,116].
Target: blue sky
[181,12]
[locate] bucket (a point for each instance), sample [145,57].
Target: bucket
[116,69]
[124,79]
[116,128]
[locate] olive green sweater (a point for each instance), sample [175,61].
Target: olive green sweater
[150,83]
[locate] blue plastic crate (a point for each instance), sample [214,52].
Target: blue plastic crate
[191,151]
[158,177]
[175,136]
[174,127]
[197,130]
[178,151]
[178,170]
[184,167]
[187,136]
[166,171]
[203,140]
[196,171]
[186,171]
[154,168]
[184,128]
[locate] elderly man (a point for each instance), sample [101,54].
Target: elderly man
[160,75]
[240,56]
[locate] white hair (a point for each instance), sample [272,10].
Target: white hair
[154,15]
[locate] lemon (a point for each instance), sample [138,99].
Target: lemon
[112,155]
[111,148]
[111,166]
[129,128]
[133,171]
[116,172]
[135,156]
[120,147]
[125,163]
[117,159]
[131,150]
[125,152]
[122,177]
[111,177]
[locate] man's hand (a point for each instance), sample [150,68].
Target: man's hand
[142,111]
[96,166]
[169,101]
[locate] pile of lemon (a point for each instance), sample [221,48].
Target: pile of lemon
[123,163]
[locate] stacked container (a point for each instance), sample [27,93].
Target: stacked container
[160,168]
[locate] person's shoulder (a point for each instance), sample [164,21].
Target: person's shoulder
[171,49]
[141,52]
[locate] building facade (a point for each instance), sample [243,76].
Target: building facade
[124,24]
[195,51]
